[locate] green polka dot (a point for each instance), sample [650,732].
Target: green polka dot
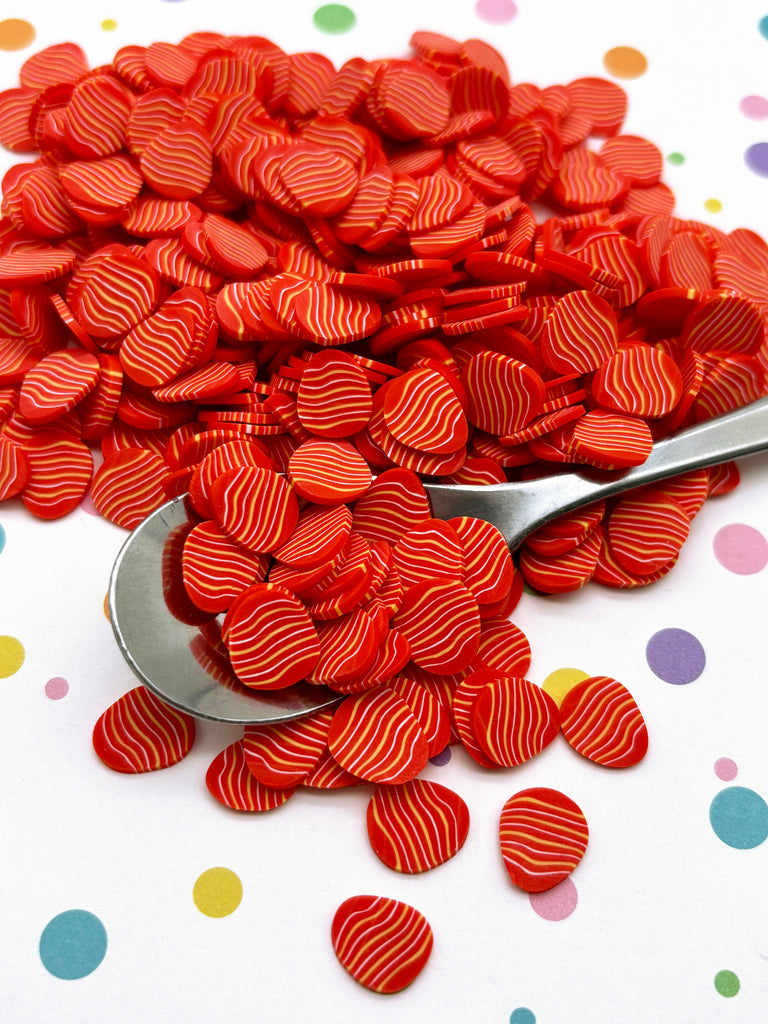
[727,983]
[676,159]
[334,18]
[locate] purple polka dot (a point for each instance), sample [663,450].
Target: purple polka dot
[442,758]
[726,769]
[56,688]
[556,903]
[754,107]
[496,12]
[675,656]
[756,158]
[741,549]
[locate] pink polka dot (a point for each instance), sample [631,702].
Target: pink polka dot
[741,549]
[56,688]
[726,769]
[496,12]
[754,107]
[87,505]
[557,903]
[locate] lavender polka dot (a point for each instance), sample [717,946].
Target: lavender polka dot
[442,758]
[756,158]
[726,769]
[741,549]
[557,903]
[754,107]
[675,655]
[496,12]
[56,688]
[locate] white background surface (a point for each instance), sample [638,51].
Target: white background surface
[663,903]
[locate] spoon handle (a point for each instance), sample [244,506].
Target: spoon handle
[519,508]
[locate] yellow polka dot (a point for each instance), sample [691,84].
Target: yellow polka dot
[713,205]
[11,656]
[109,25]
[217,892]
[15,34]
[625,62]
[559,682]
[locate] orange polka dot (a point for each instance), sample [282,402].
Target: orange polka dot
[15,34]
[625,62]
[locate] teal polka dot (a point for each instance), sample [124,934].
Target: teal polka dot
[73,944]
[762,26]
[2,538]
[739,817]
[334,19]
[522,1016]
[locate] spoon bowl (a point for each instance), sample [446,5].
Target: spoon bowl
[176,650]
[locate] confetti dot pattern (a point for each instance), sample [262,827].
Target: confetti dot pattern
[496,12]
[739,817]
[754,107]
[756,158]
[334,19]
[741,549]
[12,655]
[625,62]
[522,1015]
[727,983]
[217,892]
[555,904]
[725,769]
[73,944]
[16,34]
[56,688]
[676,656]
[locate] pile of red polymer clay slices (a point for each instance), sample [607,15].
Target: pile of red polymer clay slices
[295,293]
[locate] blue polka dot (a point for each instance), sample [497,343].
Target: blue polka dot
[73,944]
[522,1016]
[739,817]
[762,26]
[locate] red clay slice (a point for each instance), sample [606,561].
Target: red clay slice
[428,550]
[57,384]
[560,574]
[115,291]
[230,781]
[178,162]
[320,534]
[14,469]
[255,506]
[543,835]
[610,440]
[393,504]
[229,454]
[513,720]
[579,334]
[334,398]
[60,472]
[421,410]
[463,696]
[271,639]
[348,647]
[600,720]
[391,657]
[416,826]
[382,943]
[638,381]
[139,733]
[488,569]
[284,753]
[128,485]
[375,736]
[647,530]
[503,647]
[328,472]
[440,620]
[431,713]
[216,570]
[504,393]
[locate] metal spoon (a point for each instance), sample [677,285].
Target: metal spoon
[172,648]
